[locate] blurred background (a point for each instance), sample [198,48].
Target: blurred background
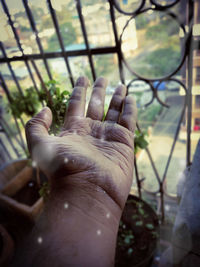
[150,46]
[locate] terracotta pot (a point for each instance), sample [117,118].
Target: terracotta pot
[6,247]
[137,235]
[18,191]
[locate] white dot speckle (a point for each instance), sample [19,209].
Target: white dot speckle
[98,232]
[34,164]
[167,207]
[66,205]
[79,117]
[66,160]
[96,101]
[108,215]
[31,184]
[39,240]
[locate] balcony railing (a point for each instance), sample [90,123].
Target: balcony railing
[124,19]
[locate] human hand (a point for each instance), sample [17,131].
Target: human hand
[90,167]
[88,150]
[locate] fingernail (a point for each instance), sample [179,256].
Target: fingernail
[82,81]
[101,82]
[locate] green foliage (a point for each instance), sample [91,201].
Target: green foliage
[163,61]
[140,140]
[163,30]
[149,226]
[29,105]
[126,238]
[141,21]
[68,35]
[57,101]
[44,190]
[104,65]
[139,223]
[141,211]
[130,251]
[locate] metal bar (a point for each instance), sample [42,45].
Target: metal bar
[13,75]
[42,82]
[5,8]
[56,26]
[79,10]
[9,140]
[173,145]
[73,53]
[162,192]
[10,131]
[162,202]
[117,43]
[150,158]
[5,149]
[5,88]
[11,70]
[34,29]
[137,178]
[189,80]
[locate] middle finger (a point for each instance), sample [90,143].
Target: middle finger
[96,105]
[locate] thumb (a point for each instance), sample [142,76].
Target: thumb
[37,127]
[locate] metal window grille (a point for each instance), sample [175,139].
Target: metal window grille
[116,48]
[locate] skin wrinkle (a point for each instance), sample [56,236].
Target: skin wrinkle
[96,176]
[87,214]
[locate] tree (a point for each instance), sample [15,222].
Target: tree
[163,61]
[68,34]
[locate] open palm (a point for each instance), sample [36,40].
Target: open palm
[88,149]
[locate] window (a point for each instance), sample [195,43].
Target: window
[197,74]
[197,101]
[197,121]
[197,124]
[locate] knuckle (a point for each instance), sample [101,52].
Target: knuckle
[77,94]
[130,100]
[116,102]
[29,124]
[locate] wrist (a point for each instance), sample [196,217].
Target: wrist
[79,220]
[86,197]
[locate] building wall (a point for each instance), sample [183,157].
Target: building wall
[196,69]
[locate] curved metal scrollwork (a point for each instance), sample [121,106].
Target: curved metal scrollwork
[164,8]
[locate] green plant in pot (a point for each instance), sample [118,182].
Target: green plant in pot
[50,94]
[24,186]
[140,140]
[137,234]
[139,225]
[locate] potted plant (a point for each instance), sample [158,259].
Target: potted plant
[20,189]
[139,225]
[6,247]
[50,94]
[137,234]
[23,186]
